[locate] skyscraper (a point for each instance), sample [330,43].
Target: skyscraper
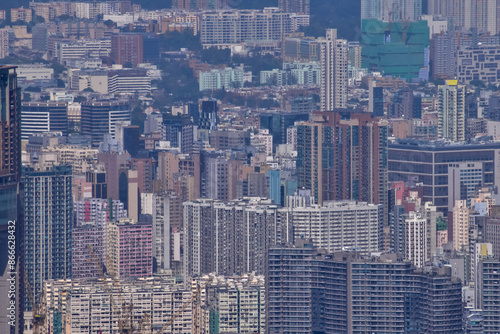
[48,214]
[43,117]
[343,156]
[10,176]
[308,291]
[333,59]
[451,111]
[100,118]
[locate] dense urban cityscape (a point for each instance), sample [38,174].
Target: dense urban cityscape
[249,166]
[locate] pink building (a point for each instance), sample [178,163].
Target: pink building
[130,248]
[442,238]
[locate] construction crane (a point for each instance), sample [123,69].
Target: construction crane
[38,309]
[184,306]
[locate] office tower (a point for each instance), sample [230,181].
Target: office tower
[406,158]
[478,62]
[128,191]
[98,211]
[150,48]
[342,156]
[208,115]
[97,178]
[48,206]
[229,238]
[376,99]
[279,122]
[302,280]
[464,179]
[275,187]
[489,296]
[451,111]
[10,202]
[129,248]
[127,49]
[333,60]
[101,118]
[43,117]
[131,143]
[295,6]
[337,225]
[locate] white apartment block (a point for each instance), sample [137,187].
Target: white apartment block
[229,27]
[34,72]
[97,49]
[129,82]
[334,71]
[337,225]
[416,238]
[97,306]
[4,43]
[263,142]
[227,78]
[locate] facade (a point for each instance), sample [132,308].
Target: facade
[10,177]
[127,48]
[228,27]
[427,162]
[342,156]
[337,225]
[228,238]
[451,111]
[43,117]
[129,82]
[21,14]
[93,49]
[98,211]
[89,251]
[489,296]
[333,60]
[295,6]
[349,291]
[227,78]
[464,180]
[84,306]
[479,63]
[47,255]
[231,304]
[129,247]
[101,118]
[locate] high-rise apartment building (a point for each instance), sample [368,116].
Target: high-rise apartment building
[10,177]
[89,250]
[333,60]
[460,233]
[4,43]
[489,295]
[43,117]
[129,248]
[295,6]
[127,48]
[229,238]
[48,215]
[98,211]
[337,225]
[100,118]
[357,295]
[343,156]
[451,111]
